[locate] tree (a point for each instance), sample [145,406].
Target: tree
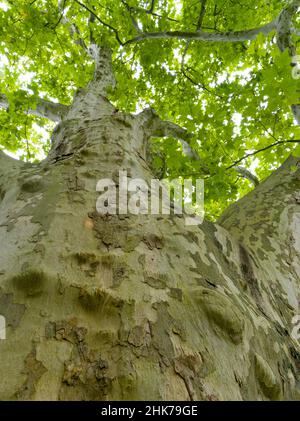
[101,307]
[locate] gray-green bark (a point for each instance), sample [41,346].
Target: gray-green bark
[141,307]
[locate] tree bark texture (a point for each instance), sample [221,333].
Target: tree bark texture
[141,307]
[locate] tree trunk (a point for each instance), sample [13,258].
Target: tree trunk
[141,307]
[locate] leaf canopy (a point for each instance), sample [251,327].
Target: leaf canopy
[235,97]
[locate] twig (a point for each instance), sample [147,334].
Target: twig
[279,142]
[107,25]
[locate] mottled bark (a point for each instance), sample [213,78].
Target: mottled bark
[141,307]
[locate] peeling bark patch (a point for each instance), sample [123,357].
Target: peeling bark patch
[33,184]
[88,262]
[34,370]
[137,336]
[190,236]
[119,273]
[96,299]
[188,368]
[211,272]
[85,373]
[153,241]
[267,380]
[65,330]
[85,379]
[12,312]
[74,183]
[156,280]
[161,331]
[110,267]
[2,193]
[222,312]
[31,282]
[106,227]
[198,262]
[248,273]
[84,258]
[176,293]
[295,355]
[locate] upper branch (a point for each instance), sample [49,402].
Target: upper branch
[73,28]
[149,11]
[199,25]
[155,127]
[133,20]
[47,109]
[236,36]
[103,74]
[107,25]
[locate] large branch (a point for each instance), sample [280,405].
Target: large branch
[155,127]
[276,199]
[47,109]
[235,36]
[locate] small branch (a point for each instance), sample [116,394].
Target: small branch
[107,25]
[267,131]
[199,26]
[74,31]
[134,22]
[26,139]
[200,85]
[296,113]
[151,12]
[90,22]
[73,28]
[151,8]
[46,109]
[280,142]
